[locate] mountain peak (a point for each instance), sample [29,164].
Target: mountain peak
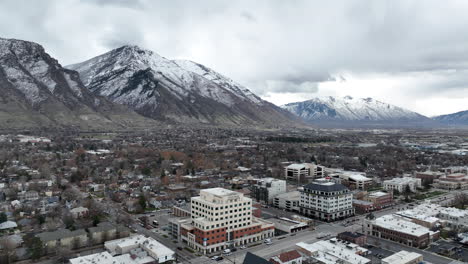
[348,109]
[180,90]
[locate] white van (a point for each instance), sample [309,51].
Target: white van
[227,252]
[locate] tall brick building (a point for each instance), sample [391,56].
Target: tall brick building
[221,218]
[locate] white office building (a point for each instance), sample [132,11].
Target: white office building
[401,183]
[303,172]
[288,201]
[325,200]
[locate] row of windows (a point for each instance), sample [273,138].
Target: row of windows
[195,208]
[221,207]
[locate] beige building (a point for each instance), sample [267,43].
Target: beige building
[63,238]
[303,172]
[221,218]
[102,232]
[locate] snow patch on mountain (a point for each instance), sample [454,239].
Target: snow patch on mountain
[109,73]
[350,109]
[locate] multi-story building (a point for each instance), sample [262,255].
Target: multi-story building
[380,200]
[288,201]
[429,176]
[326,201]
[352,179]
[431,215]
[401,183]
[221,218]
[267,188]
[452,181]
[303,172]
[400,230]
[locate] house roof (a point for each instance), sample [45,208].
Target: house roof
[59,234]
[102,227]
[251,258]
[286,256]
[8,225]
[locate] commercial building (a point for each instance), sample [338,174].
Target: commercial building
[303,172]
[181,211]
[334,251]
[355,180]
[432,215]
[403,257]
[221,218]
[288,201]
[284,225]
[353,237]
[145,249]
[429,176]
[326,200]
[380,200]
[452,181]
[400,230]
[289,257]
[266,189]
[400,184]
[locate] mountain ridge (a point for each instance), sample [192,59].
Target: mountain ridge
[348,110]
[457,118]
[36,91]
[176,90]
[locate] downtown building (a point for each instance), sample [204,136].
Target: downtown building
[401,230]
[266,189]
[303,172]
[326,200]
[221,219]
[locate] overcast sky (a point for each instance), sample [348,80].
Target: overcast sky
[412,54]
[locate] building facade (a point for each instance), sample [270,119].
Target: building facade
[303,172]
[400,230]
[400,184]
[266,189]
[327,201]
[288,201]
[221,218]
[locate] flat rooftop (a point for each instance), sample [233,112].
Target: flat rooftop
[219,191]
[332,251]
[402,225]
[401,257]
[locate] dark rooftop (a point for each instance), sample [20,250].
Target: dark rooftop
[251,258]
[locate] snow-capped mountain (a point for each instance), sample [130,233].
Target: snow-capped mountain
[351,110]
[35,91]
[180,91]
[458,118]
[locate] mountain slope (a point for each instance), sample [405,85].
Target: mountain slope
[347,110]
[458,118]
[180,91]
[35,91]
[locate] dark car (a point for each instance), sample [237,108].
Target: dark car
[233,249]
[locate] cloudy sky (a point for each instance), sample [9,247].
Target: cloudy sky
[412,54]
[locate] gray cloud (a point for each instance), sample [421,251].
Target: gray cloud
[271,45]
